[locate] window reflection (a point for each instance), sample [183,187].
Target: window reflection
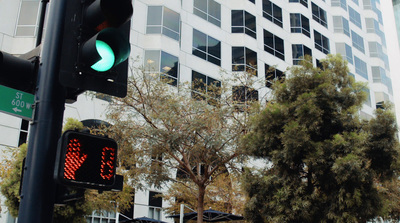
[162,20]
[209,10]
[163,63]
[243,22]
[206,47]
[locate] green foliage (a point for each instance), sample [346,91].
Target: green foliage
[325,164]
[72,124]
[11,176]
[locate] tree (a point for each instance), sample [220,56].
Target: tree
[74,211]
[223,194]
[324,163]
[164,132]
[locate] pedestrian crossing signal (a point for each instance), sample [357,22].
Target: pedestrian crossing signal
[86,161]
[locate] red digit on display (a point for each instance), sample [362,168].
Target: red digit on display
[107,163]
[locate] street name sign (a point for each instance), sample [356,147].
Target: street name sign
[16,103]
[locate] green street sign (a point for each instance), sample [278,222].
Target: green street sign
[16,103]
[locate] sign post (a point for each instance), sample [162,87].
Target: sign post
[16,103]
[38,193]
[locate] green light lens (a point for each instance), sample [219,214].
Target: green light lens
[107,57]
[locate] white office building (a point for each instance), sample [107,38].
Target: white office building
[196,39]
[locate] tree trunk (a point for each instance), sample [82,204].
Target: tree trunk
[200,203]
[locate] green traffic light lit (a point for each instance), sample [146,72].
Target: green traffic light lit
[107,57]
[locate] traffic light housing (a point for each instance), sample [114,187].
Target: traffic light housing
[96,46]
[86,161]
[18,73]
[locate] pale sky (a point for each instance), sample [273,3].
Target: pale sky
[393,51]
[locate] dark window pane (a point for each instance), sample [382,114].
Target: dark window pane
[24,125]
[214,47]
[237,55]
[297,50]
[250,21]
[169,64]
[268,39]
[237,18]
[295,20]
[237,29]
[155,199]
[198,82]
[251,58]
[307,51]
[214,60]
[199,40]
[277,12]
[279,45]
[22,138]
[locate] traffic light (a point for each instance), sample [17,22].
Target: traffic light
[86,161]
[18,73]
[96,46]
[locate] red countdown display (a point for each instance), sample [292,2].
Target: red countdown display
[86,160]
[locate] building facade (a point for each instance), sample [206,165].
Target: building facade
[396,10]
[190,40]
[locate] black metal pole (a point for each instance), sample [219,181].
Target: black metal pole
[41,22]
[38,186]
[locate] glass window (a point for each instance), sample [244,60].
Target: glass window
[101,216]
[274,45]
[244,59]
[339,3]
[371,23]
[252,1]
[155,204]
[341,25]
[379,76]
[162,20]
[346,51]
[368,101]
[272,12]
[321,42]
[243,94]
[361,67]
[206,47]
[355,1]
[243,22]
[319,14]
[27,19]
[367,4]
[203,85]
[299,24]
[355,17]
[272,74]
[163,63]
[380,98]
[298,53]
[209,10]
[358,41]
[303,2]
[375,49]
